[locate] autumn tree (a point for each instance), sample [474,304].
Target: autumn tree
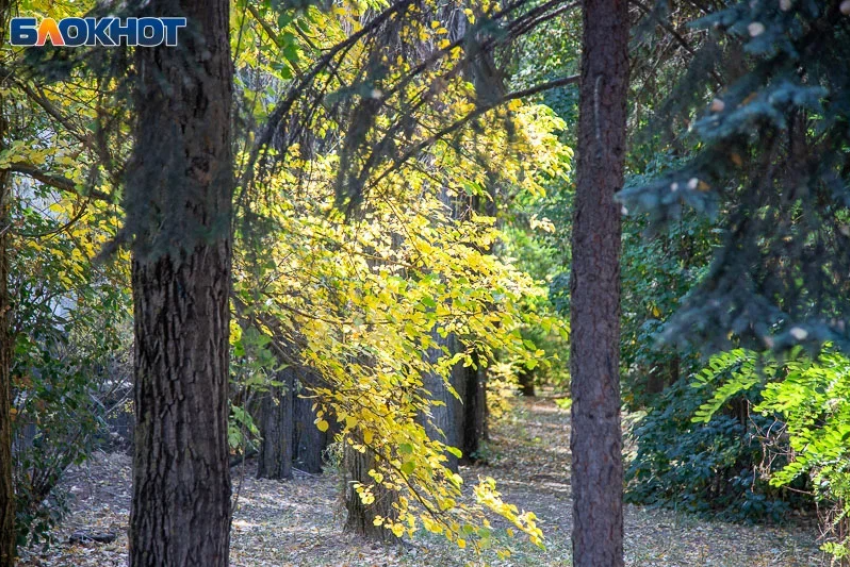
[596,439]
[178,197]
[179,190]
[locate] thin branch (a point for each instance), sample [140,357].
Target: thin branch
[55,181]
[675,34]
[516,95]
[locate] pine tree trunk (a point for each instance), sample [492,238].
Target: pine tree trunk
[179,192]
[596,441]
[276,429]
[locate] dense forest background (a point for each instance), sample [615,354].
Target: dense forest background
[461,280]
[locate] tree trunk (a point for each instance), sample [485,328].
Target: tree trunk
[276,429]
[7,490]
[661,376]
[309,444]
[596,441]
[359,518]
[178,203]
[526,382]
[445,423]
[473,392]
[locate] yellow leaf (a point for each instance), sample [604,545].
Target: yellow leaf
[322,425]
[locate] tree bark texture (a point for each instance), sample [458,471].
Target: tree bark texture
[445,422]
[596,441]
[276,429]
[309,444]
[7,490]
[178,204]
[359,518]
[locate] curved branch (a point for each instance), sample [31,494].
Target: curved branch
[55,181]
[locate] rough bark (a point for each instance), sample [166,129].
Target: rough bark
[359,518]
[276,429]
[309,444]
[179,192]
[596,441]
[7,491]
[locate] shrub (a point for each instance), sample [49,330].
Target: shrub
[713,468]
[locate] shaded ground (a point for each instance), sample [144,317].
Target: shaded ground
[298,523]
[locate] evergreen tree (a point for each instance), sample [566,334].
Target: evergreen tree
[596,440]
[772,156]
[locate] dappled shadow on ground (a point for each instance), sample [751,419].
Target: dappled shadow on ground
[299,523]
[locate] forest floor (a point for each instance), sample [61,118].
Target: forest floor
[299,522]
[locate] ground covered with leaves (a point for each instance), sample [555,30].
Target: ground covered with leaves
[299,522]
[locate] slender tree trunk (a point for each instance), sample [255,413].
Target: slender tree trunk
[473,393]
[526,382]
[276,428]
[179,192]
[7,489]
[596,441]
[472,384]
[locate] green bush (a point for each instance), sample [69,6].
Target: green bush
[812,397]
[712,468]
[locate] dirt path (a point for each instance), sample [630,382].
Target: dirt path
[298,523]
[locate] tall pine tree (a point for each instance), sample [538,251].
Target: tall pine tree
[596,442]
[772,152]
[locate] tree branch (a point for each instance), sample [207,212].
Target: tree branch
[516,95]
[55,181]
